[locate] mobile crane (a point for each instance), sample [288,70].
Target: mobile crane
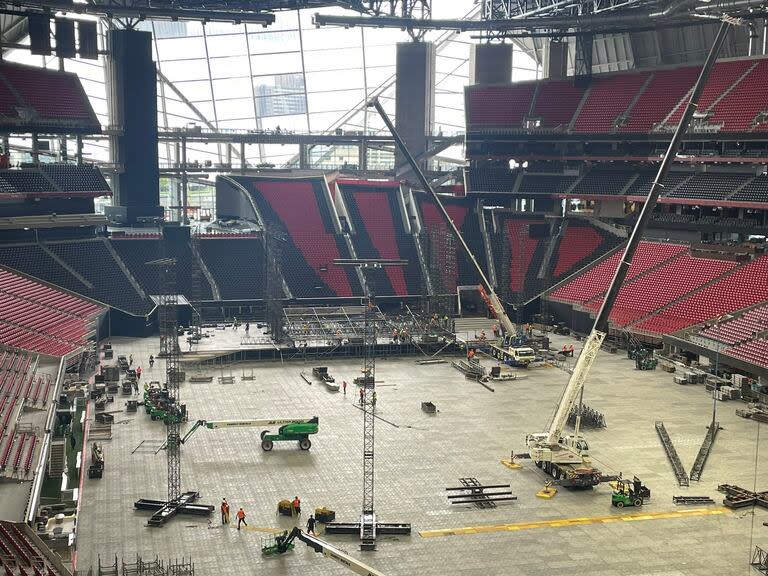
[282,543]
[290,429]
[566,458]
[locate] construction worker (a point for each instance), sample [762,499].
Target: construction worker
[311,525]
[224,511]
[130,360]
[241,518]
[362,395]
[373,400]
[296,506]
[151,361]
[138,373]
[344,387]
[495,330]
[570,350]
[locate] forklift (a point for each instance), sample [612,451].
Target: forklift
[629,493]
[644,359]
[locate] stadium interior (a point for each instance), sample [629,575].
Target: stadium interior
[238,199]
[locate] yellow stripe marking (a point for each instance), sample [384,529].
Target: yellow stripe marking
[563,522]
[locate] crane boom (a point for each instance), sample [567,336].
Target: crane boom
[321,546]
[542,446]
[498,308]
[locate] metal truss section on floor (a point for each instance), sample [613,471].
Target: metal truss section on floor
[706,447]
[674,459]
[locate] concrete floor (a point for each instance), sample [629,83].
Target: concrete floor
[417,457]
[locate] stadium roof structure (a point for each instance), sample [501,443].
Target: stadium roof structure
[295,76]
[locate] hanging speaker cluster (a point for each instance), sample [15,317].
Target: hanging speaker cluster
[66,36]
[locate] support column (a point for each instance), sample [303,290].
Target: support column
[184,218]
[303,156]
[63,155]
[132,101]
[79,153]
[490,64]
[415,96]
[35,148]
[242,157]
[363,156]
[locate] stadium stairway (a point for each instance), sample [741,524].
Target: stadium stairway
[491,268]
[124,268]
[64,265]
[556,231]
[197,260]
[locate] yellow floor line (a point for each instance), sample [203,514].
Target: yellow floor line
[562,522]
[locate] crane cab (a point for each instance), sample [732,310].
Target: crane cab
[578,444]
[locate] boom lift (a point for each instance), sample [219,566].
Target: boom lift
[566,458]
[290,429]
[284,542]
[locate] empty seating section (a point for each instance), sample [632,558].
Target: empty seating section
[491,179]
[754,352]
[658,288]
[666,90]
[608,98]
[8,101]
[734,98]
[20,556]
[523,266]
[462,214]
[595,280]
[642,185]
[53,94]
[723,76]
[579,244]
[746,327]
[501,106]
[740,107]
[743,287]
[137,252]
[308,268]
[545,184]
[377,216]
[602,182]
[72,178]
[92,260]
[54,180]
[33,260]
[237,266]
[26,181]
[556,103]
[709,186]
[17,449]
[39,318]
[755,191]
